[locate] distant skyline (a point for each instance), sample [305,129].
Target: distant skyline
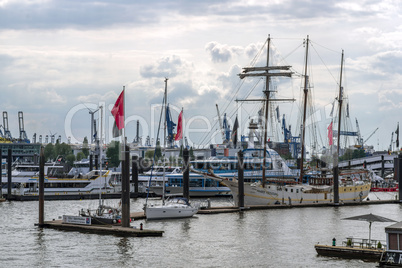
[59,58]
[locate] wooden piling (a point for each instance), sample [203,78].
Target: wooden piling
[96,166]
[9,182]
[125,191]
[399,174]
[240,171]
[134,172]
[186,174]
[336,181]
[1,174]
[41,187]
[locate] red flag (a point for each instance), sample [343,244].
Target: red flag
[330,134]
[179,134]
[118,114]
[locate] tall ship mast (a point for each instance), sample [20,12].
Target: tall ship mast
[267,72]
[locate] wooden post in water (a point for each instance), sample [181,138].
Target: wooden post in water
[186,174]
[134,173]
[41,186]
[9,182]
[240,172]
[382,166]
[1,173]
[399,174]
[96,162]
[125,191]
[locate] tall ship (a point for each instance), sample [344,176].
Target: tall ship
[313,186]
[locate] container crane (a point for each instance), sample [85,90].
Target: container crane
[359,137]
[7,133]
[170,125]
[23,134]
[392,140]
[370,135]
[224,126]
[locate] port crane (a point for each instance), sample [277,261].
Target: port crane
[7,133]
[23,134]
[224,126]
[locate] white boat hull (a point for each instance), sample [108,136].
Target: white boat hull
[194,191]
[170,211]
[297,194]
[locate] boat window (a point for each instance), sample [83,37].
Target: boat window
[291,190]
[297,190]
[393,241]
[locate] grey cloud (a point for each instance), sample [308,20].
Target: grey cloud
[221,53]
[100,14]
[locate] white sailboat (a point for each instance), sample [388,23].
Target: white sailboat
[171,208]
[103,214]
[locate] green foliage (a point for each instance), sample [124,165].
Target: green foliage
[352,154]
[70,159]
[158,150]
[149,154]
[113,154]
[63,149]
[80,156]
[379,245]
[85,147]
[49,151]
[349,243]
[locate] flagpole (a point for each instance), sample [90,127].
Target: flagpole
[124,118]
[182,126]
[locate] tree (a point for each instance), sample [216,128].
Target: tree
[80,156]
[113,153]
[192,157]
[63,149]
[158,150]
[149,154]
[70,159]
[49,151]
[85,148]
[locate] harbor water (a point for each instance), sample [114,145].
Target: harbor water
[257,238]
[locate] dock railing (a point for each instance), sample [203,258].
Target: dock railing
[364,243]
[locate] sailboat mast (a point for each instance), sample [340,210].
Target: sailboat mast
[340,100]
[336,156]
[164,143]
[304,114]
[266,115]
[100,160]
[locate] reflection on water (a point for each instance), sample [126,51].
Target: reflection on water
[252,238]
[124,249]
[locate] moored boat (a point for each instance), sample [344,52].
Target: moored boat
[172,208]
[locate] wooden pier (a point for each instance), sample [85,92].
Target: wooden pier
[372,254]
[101,229]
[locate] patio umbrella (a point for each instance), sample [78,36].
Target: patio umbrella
[369,218]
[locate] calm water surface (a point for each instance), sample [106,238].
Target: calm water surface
[265,238]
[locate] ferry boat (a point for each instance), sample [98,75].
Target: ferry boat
[25,181]
[225,167]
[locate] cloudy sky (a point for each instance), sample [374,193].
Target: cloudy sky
[58,58]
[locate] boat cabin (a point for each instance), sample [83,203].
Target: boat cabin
[393,254]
